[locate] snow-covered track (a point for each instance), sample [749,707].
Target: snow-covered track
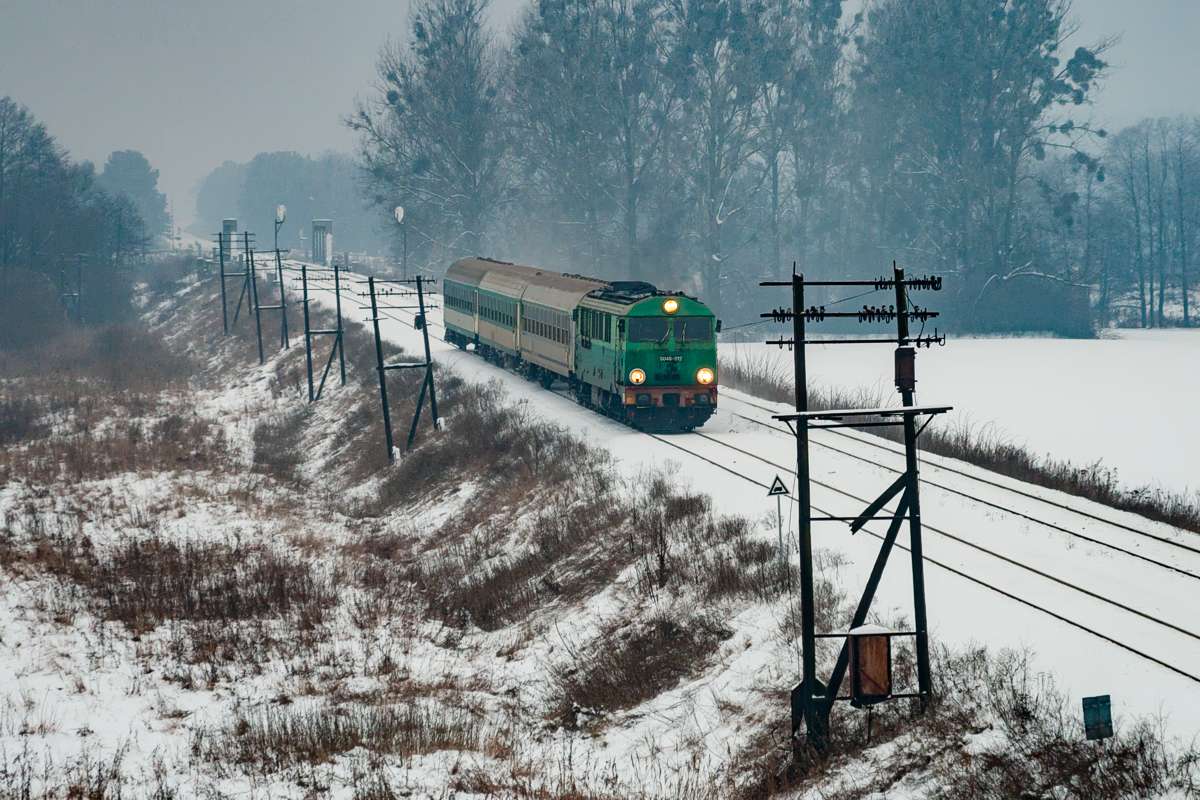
[723,465]
[1185,571]
[881,444]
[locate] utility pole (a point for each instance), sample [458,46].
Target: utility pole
[280,217]
[284,338]
[427,383]
[422,322]
[811,687]
[221,257]
[310,332]
[381,369]
[398,213]
[906,384]
[811,700]
[252,278]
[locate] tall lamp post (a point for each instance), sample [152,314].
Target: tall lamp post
[280,216]
[399,213]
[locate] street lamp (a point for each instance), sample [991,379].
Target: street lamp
[399,214]
[280,216]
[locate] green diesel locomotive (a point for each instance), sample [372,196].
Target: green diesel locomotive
[638,354]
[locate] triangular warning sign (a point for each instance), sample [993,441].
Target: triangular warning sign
[777,487]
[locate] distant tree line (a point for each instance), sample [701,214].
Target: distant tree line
[706,144]
[325,187]
[57,218]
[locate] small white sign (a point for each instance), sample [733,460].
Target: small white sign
[777,487]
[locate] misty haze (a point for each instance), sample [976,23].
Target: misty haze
[563,399]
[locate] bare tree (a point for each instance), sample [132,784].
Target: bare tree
[432,140]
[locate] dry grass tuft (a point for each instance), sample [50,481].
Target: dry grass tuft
[631,663]
[269,740]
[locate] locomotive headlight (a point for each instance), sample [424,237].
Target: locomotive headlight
[670,305]
[637,376]
[705,375]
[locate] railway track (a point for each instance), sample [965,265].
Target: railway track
[1188,572]
[880,444]
[1167,627]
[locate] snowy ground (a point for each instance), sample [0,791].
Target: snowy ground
[1127,399]
[961,612]
[78,685]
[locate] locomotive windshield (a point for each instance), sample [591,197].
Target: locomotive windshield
[649,329]
[693,329]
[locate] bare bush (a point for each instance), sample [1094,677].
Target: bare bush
[631,663]
[99,439]
[571,550]
[144,583]
[278,446]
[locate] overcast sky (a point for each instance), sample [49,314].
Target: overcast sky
[192,83]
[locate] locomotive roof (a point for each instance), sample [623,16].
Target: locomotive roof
[628,292]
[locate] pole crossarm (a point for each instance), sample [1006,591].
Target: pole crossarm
[839,414]
[927,282]
[864,314]
[927,340]
[889,634]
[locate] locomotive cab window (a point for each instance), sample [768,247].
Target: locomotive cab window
[649,329]
[693,329]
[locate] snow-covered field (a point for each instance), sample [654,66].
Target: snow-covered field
[1128,399]
[961,612]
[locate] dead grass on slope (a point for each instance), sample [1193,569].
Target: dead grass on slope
[272,739]
[632,662]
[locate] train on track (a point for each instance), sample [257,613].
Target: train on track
[638,354]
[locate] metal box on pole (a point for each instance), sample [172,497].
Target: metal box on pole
[870,665]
